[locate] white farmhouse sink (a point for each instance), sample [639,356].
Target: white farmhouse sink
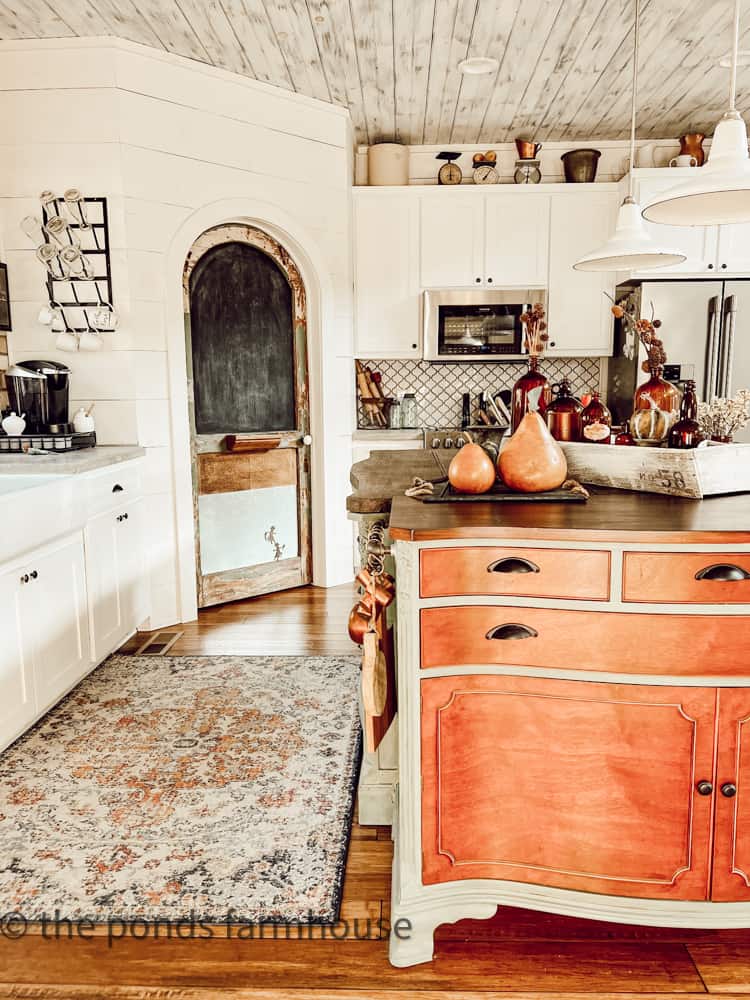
[13,483]
[34,508]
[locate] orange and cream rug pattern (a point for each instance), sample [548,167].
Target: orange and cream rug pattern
[216,788]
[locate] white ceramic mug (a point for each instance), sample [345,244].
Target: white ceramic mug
[683,160]
[90,341]
[66,341]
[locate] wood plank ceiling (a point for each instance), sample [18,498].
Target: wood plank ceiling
[564,64]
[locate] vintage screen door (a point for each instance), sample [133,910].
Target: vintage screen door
[245,322]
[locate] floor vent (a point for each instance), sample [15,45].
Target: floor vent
[159,644]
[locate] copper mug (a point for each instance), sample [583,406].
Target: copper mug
[527,150]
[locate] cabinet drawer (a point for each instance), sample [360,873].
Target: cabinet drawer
[517,572]
[617,642]
[112,487]
[686,577]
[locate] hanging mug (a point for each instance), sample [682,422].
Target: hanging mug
[683,160]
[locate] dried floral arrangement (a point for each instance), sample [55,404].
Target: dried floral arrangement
[722,418]
[645,330]
[535,335]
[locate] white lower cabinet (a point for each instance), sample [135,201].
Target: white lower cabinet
[113,570]
[17,698]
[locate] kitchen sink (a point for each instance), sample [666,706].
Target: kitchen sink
[13,484]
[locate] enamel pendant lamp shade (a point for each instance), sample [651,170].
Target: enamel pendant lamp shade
[719,192]
[630,248]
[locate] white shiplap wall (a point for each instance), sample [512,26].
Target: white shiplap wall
[164,139]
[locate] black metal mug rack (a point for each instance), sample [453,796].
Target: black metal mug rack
[97,257]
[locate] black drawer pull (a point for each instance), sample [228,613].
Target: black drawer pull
[117,488]
[25,578]
[512,631]
[513,564]
[725,572]
[704,787]
[728,789]
[122,517]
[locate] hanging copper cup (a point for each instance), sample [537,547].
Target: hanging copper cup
[528,150]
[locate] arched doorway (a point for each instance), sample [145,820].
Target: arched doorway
[246,340]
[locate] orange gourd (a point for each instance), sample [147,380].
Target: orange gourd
[532,461]
[471,470]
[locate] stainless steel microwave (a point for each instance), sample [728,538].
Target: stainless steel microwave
[472,324]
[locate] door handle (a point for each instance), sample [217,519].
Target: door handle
[725,572]
[307,440]
[512,564]
[512,630]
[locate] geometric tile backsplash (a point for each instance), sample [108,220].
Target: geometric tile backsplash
[439,387]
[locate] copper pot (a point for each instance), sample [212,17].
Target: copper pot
[691,144]
[527,149]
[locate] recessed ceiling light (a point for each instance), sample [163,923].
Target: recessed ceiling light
[479,65]
[743,59]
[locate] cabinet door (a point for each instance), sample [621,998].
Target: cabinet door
[56,617]
[567,783]
[17,700]
[580,321]
[731,872]
[386,282]
[734,250]
[698,243]
[517,239]
[451,233]
[113,554]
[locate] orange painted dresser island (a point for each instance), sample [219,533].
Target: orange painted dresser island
[574,712]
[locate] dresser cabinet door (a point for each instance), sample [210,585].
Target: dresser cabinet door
[565,783]
[731,874]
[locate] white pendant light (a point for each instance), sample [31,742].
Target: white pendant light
[719,192]
[630,248]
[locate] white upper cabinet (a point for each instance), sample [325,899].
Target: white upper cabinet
[733,255]
[516,240]
[451,232]
[578,311]
[386,280]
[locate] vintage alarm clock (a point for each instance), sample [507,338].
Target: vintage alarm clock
[485,171]
[450,172]
[527,172]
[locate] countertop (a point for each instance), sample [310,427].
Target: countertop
[69,463]
[609,515]
[389,434]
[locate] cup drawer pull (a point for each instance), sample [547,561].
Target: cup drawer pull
[725,572]
[512,631]
[512,564]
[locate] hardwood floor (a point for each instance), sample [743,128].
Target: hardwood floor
[518,955]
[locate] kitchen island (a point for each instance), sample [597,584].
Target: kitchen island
[574,700]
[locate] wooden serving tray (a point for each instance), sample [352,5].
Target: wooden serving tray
[500,493]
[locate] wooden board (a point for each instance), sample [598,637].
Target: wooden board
[242,344]
[228,473]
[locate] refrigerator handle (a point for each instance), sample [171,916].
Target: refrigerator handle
[711,378]
[729,314]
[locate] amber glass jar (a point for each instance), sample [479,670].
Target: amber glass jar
[686,433]
[657,394]
[532,379]
[596,421]
[564,414]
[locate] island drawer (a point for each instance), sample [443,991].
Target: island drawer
[615,642]
[686,577]
[112,487]
[579,574]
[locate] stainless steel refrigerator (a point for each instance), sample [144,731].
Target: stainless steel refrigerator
[706,334]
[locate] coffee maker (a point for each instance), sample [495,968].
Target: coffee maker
[40,389]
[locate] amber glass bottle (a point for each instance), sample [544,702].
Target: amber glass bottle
[564,414]
[686,433]
[532,379]
[596,421]
[657,394]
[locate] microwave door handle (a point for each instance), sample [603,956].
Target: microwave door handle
[727,345]
[711,377]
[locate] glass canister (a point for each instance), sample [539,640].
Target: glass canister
[409,411]
[564,414]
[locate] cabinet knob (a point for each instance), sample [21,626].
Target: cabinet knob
[25,578]
[479,281]
[723,267]
[710,267]
[704,788]
[725,572]
[512,564]
[728,790]
[489,281]
[512,631]
[414,347]
[551,343]
[33,574]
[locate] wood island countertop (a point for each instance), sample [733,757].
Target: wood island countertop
[611,515]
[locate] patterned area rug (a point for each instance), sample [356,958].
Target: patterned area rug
[220,785]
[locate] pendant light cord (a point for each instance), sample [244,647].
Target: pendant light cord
[735,48]
[636,30]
